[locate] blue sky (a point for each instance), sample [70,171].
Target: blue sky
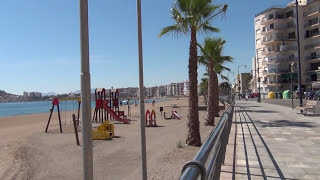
[40,46]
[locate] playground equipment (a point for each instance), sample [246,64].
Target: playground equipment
[151,119]
[100,97]
[108,108]
[55,102]
[104,131]
[174,115]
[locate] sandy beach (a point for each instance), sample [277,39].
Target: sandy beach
[27,152]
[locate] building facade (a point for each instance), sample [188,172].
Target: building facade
[276,46]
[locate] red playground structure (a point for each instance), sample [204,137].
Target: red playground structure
[106,108]
[151,119]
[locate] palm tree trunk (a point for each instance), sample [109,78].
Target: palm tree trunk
[193,137]
[216,96]
[211,90]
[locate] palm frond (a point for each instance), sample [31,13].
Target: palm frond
[173,28]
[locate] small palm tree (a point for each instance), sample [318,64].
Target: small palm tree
[191,17]
[204,89]
[211,57]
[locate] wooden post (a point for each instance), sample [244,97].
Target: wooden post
[51,110]
[75,128]
[59,119]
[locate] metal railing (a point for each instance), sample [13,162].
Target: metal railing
[207,162]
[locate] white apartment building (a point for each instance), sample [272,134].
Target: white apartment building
[277,26]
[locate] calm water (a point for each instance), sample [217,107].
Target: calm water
[21,108]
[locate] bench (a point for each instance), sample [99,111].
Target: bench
[309,105]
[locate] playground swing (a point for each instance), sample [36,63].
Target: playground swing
[55,102]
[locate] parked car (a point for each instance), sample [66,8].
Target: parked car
[253,95]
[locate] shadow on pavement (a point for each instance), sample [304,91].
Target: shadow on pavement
[283,123]
[258,111]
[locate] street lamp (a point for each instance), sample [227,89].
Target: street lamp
[283,47]
[229,89]
[259,94]
[293,69]
[239,88]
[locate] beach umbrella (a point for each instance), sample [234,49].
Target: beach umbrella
[85,93]
[141,95]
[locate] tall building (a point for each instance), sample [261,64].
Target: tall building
[25,94]
[276,26]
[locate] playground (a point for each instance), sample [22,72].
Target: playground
[55,155]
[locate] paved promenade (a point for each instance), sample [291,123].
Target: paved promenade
[272,142]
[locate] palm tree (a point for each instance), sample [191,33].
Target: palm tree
[191,17]
[204,89]
[213,60]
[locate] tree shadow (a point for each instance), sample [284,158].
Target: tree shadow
[284,123]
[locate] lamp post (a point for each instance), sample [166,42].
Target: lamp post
[282,48]
[293,68]
[258,69]
[239,88]
[85,93]
[229,88]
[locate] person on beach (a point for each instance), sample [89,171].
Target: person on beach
[153,103]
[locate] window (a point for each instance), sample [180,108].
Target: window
[258,31]
[264,29]
[271,26]
[257,21]
[290,24]
[289,14]
[313,55]
[312,32]
[271,16]
[292,35]
[258,41]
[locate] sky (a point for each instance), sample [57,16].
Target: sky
[40,43]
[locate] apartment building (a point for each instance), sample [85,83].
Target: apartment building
[276,46]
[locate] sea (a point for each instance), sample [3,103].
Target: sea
[23,108]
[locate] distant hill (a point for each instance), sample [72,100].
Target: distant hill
[79,91]
[49,94]
[3,93]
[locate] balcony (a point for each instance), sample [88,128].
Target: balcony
[270,40]
[278,71]
[282,60]
[264,62]
[313,57]
[312,35]
[312,12]
[312,46]
[270,52]
[308,24]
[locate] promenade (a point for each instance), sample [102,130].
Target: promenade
[269,141]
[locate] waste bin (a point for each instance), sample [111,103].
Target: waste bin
[271,95]
[286,94]
[280,95]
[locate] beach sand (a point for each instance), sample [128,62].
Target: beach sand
[27,152]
